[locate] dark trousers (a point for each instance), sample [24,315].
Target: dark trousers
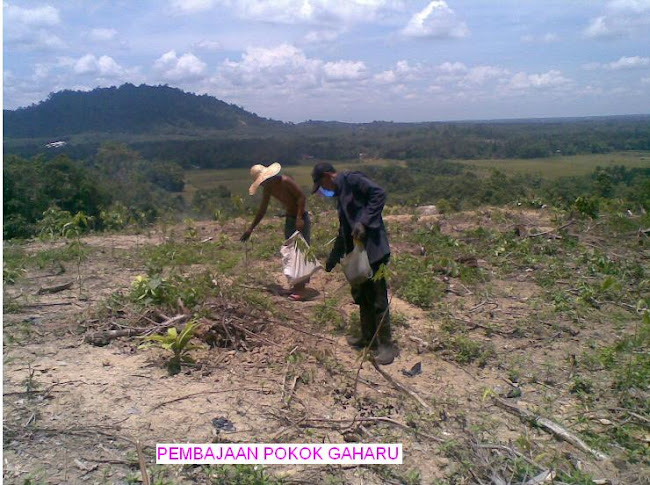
[372,298]
[290,227]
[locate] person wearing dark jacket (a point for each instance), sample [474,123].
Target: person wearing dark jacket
[359,204]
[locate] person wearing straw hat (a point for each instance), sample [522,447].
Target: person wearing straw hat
[284,189]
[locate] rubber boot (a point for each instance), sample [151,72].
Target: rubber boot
[386,351]
[367,330]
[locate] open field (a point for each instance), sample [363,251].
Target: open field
[508,310]
[238,179]
[563,166]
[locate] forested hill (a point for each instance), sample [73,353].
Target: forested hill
[127,109]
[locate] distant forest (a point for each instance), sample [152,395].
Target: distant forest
[166,124]
[126,150]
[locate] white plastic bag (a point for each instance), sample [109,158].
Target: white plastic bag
[356,265]
[297,264]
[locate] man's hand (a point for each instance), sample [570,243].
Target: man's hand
[244,237]
[300,224]
[359,231]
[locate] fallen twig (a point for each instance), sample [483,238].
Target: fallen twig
[484,302]
[55,289]
[205,393]
[292,390]
[91,431]
[549,426]
[143,466]
[102,338]
[399,386]
[166,324]
[552,230]
[106,336]
[38,305]
[484,327]
[510,450]
[545,476]
[44,391]
[372,419]
[292,327]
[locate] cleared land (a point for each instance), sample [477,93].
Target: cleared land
[505,309]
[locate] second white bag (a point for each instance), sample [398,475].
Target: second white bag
[356,265]
[297,263]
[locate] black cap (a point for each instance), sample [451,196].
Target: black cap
[317,173]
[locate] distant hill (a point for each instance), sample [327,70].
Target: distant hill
[127,109]
[163,123]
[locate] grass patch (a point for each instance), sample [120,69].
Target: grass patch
[239,474]
[170,291]
[222,254]
[327,313]
[416,284]
[561,166]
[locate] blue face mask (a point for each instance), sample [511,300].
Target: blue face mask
[325,192]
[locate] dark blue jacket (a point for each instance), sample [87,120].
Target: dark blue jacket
[360,200]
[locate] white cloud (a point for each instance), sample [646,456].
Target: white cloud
[452,68]
[436,20]
[590,90]
[102,35]
[600,28]
[386,77]
[402,71]
[550,79]
[41,71]
[184,68]
[470,82]
[32,28]
[481,74]
[645,80]
[321,36]
[191,6]
[621,18]
[629,63]
[262,67]
[34,17]
[632,62]
[207,45]
[344,70]
[103,66]
[286,71]
[40,40]
[323,12]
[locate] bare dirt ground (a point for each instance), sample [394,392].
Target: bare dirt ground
[73,411]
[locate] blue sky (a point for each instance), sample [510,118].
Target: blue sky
[345,60]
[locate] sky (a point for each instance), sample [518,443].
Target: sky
[343,60]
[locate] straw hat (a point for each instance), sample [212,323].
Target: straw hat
[260,173]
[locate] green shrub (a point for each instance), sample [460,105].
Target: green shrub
[587,206]
[177,343]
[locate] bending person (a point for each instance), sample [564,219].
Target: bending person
[285,190]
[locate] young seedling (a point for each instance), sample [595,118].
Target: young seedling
[177,343]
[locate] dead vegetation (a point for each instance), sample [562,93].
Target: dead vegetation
[530,333]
